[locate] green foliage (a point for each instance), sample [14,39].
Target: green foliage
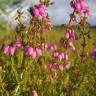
[17,82]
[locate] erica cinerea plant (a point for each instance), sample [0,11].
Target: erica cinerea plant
[32,66]
[22,56]
[82,11]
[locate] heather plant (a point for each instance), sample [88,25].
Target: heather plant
[32,66]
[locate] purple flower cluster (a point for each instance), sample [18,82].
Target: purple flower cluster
[52,47]
[81,7]
[71,35]
[29,50]
[61,56]
[33,52]
[40,11]
[11,49]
